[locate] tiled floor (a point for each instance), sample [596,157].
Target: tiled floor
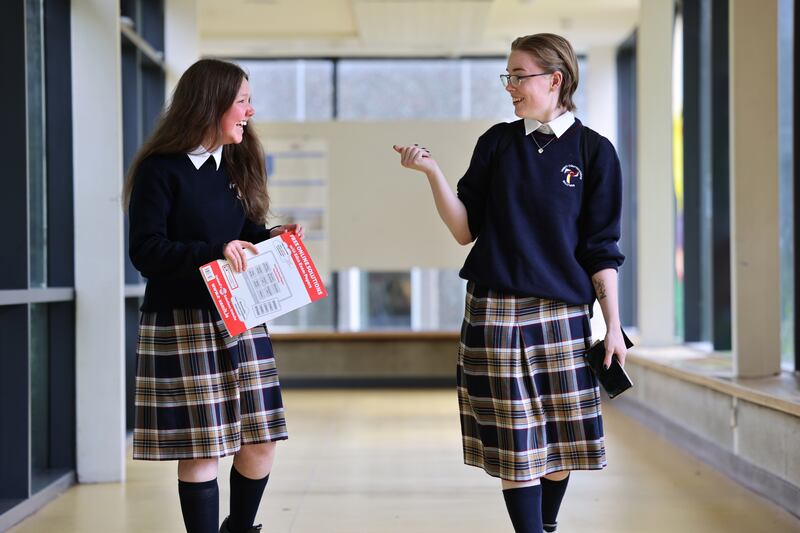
[386,461]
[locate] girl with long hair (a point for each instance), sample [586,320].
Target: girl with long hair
[197,191]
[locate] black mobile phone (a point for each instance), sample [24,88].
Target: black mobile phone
[614,380]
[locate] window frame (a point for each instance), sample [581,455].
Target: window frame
[17,478]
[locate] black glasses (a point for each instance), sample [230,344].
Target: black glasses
[515,80]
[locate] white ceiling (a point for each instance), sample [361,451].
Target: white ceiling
[333,28]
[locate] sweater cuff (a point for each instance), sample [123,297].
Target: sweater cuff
[218,251]
[602,266]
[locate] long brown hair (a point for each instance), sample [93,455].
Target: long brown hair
[203,94]
[553,53]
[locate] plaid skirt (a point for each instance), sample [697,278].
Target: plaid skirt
[201,393]
[529,404]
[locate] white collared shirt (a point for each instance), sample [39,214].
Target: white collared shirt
[200,155]
[558,125]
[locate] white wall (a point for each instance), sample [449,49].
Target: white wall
[656,214]
[382,216]
[99,280]
[601,91]
[755,256]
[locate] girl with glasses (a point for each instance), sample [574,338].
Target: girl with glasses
[541,200]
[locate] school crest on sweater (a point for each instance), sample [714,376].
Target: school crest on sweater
[572,174]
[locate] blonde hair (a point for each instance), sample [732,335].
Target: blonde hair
[553,53]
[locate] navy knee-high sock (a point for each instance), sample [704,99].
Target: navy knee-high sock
[552,494]
[525,508]
[200,506]
[245,498]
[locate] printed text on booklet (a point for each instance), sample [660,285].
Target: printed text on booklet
[281,278]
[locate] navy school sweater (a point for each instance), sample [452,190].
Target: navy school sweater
[544,222]
[180,218]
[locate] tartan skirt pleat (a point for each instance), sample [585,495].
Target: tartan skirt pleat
[201,393]
[528,402]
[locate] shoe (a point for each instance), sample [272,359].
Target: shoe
[549,528]
[224,527]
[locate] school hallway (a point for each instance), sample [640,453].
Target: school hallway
[389,461]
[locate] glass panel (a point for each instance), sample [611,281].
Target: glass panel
[40,395]
[274,88]
[318,90]
[677,169]
[452,291]
[386,300]
[579,98]
[626,106]
[385,303]
[488,98]
[36,152]
[786,173]
[419,89]
[127,8]
[151,23]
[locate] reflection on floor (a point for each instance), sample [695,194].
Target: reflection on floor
[384,461]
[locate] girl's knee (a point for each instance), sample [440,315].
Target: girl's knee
[197,470]
[510,485]
[558,476]
[264,451]
[255,460]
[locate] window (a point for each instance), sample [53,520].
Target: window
[51,371]
[703,218]
[626,81]
[143,81]
[392,89]
[386,299]
[37,435]
[36,141]
[420,300]
[678,174]
[291,90]
[297,90]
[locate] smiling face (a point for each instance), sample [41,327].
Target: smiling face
[235,119]
[536,97]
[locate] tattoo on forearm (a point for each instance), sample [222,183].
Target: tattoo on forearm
[600,288]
